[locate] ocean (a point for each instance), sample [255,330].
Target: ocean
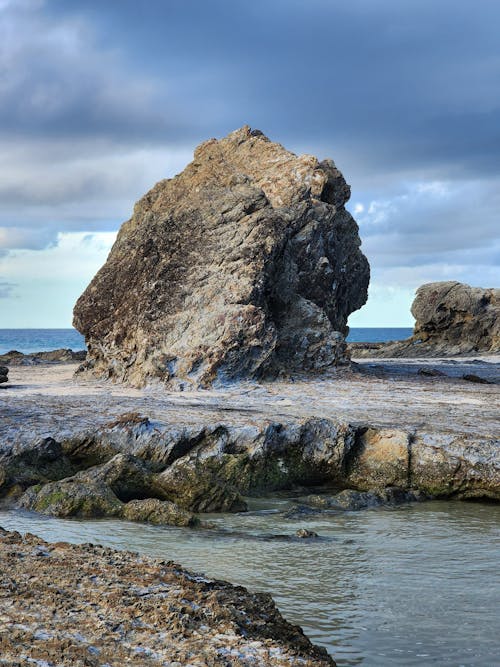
[41,340]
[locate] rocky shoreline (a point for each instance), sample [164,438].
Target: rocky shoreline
[91,449]
[91,605]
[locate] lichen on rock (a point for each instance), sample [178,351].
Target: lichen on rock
[246,264]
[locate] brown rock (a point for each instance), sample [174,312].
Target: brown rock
[245,264]
[455,317]
[380,459]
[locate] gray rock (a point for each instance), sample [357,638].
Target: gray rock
[457,318]
[246,264]
[471,377]
[451,319]
[4,373]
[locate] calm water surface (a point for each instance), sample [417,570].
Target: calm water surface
[415,585]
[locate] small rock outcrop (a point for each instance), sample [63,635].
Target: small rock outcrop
[451,319]
[245,264]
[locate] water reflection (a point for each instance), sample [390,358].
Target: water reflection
[415,585]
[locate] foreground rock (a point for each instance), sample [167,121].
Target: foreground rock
[246,264]
[451,319]
[91,605]
[4,374]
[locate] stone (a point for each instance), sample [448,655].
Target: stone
[68,604]
[431,372]
[4,373]
[59,356]
[304,533]
[477,379]
[455,317]
[455,467]
[380,459]
[452,319]
[123,487]
[353,500]
[159,512]
[245,265]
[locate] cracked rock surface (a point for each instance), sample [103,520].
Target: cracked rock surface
[246,264]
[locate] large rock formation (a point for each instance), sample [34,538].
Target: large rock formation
[245,264]
[451,316]
[451,319]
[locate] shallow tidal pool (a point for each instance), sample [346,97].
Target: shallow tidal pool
[413,585]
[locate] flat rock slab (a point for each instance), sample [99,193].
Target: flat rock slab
[46,401]
[91,605]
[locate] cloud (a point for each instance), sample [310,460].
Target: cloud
[6,289]
[98,101]
[432,221]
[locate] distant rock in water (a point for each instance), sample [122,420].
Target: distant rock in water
[451,319]
[245,264]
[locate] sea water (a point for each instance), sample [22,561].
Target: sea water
[41,340]
[410,586]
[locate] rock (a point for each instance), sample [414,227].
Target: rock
[62,355]
[379,459]
[41,462]
[351,499]
[306,534]
[67,604]
[72,498]
[246,264]
[457,318]
[122,487]
[4,373]
[451,467]
[470,377]
[452,319]
[159,512]
[431,372]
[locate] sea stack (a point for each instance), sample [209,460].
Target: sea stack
[245,265]
[454,318]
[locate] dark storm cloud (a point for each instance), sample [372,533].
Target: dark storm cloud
[400,85]
[101,99]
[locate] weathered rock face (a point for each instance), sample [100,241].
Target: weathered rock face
[4,374]
[451,319]
[455,317]
[245,264]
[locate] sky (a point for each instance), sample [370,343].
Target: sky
[101,99]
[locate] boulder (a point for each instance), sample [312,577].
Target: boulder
[457,318]
[159,512]
[123,487]
[246,264]
[4,374]
[452,319]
